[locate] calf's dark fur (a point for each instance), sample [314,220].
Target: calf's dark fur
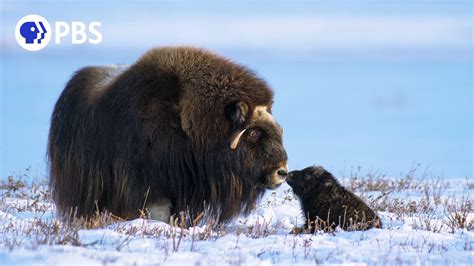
[326,204]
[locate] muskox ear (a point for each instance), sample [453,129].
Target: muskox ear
[237,113]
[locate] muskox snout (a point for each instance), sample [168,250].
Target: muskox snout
[278,177]
[282,173]
[290,174]
[289,177]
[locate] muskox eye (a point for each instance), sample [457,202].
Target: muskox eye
[254,133]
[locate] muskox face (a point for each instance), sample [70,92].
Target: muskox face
[256,141]
[305,180]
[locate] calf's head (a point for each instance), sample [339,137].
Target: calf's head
[257,145]
[306,179]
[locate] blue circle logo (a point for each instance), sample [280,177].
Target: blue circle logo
[33,32]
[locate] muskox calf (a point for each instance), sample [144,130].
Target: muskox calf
[326,204]
[180,130]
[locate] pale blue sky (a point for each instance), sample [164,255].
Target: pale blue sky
[382,85]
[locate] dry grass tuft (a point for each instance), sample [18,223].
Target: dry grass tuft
[457,213]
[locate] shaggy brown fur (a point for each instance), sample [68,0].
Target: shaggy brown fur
[326,203]
[165,124]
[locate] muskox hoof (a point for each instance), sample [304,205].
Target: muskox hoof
[160,210]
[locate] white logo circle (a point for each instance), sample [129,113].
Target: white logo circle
[33,32]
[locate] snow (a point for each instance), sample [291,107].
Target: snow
[262,238]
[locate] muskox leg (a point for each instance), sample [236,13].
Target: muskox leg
[160,210]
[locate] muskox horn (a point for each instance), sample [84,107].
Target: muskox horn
[236,140]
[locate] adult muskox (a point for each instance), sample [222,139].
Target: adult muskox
[182,129]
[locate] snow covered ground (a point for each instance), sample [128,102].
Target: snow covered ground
[424,222]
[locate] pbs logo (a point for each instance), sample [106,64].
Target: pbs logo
[33,32]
